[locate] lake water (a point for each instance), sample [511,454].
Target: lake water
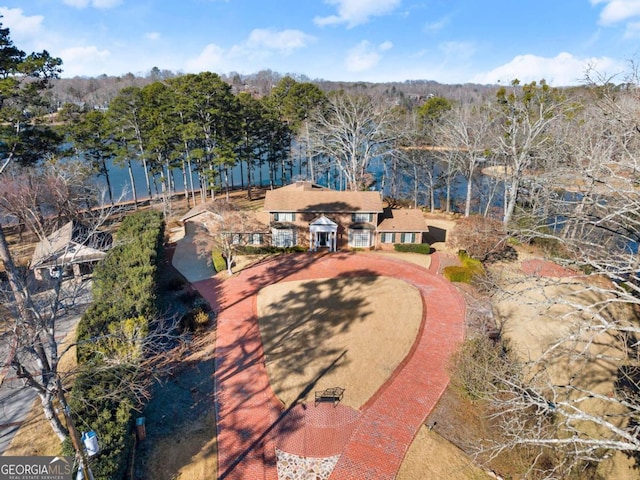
[121,184]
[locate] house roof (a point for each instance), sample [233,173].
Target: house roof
[308,197]
[402,220]
[324,221]
[200,209]
[72,243]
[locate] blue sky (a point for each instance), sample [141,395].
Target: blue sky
[449,41]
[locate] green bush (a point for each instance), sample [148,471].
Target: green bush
[219,264]
[195,320]
[478,364]
[458,274]
[294,249]
[422,248]
[552,247]
[473,264]
[93,405]
[470,268]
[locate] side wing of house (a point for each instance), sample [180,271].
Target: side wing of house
[403,225]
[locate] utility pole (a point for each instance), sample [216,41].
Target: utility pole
[75,438]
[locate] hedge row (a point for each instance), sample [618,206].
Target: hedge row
[423,248]
[109,340]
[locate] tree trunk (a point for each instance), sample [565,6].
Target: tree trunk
[184,182]
[46,400]
[510,197]
[415,186]
[108,180]
[133,185]
[467,203]
[15,283]
[146,176]
[193,193]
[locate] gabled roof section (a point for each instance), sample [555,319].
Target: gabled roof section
[73,242]
[201,208]
[312,199]
[402,220]
[324,221]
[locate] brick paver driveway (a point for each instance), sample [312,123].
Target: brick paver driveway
[248,413]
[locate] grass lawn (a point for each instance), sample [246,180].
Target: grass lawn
[346,332]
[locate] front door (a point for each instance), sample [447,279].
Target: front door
[323,239]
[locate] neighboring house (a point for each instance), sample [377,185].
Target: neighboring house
[73,249]
[313,216]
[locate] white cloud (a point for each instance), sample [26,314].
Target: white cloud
[93,3]
[617,10]
[365,56]
[152,35]
[562,70]
[106,3]
[259,46]
[356,12]
[284,41]
[22,27]
[434,27]
[211,58]
[79,60]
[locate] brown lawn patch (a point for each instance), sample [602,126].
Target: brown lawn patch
[35,436]
[347,332]
[189,453]
[433,457]
[535,313]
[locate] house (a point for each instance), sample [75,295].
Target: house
[313,216]
[71,250]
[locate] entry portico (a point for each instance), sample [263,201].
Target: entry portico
[323,233]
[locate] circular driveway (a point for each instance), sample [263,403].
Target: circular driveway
[249,416]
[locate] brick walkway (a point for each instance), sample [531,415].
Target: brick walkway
[251,419]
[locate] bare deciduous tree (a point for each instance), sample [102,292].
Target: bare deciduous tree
[465,134]
[228,230]
[351,131]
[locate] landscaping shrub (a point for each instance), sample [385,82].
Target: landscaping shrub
[423,248]
[478,364]
[195,320]
[99,401]
[473,264]
[465,273]
[219,263]
[458,274]
[552,247]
